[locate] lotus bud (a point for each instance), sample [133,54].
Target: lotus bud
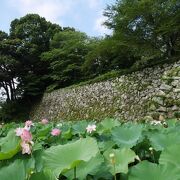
[112,157]
[151,149]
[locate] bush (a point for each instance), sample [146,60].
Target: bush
[14,111]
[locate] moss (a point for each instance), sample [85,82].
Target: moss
[155,115]
[157,101]
[169,102]
[177,114]
[143,86]
[169,77]
[177,102]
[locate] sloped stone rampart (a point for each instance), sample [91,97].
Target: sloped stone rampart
[151,92]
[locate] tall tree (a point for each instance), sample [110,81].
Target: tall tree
[149,27]
[35,34]
[106,55]
[8,66]
[68,49]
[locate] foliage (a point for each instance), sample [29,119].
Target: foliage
[126,136]
[122,157]
[15,170]
[9,145]
[15,110]
[149,28]
[75,153]
[154,171]
[107,55]
[68,50]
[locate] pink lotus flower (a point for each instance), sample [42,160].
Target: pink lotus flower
[55,132]
[91,128]
[28,123]
[26,136]
[26,148]
[19,131]
[44,121]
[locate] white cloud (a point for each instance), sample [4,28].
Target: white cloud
[93,4]
[52,10]
[99,27]
[65,12]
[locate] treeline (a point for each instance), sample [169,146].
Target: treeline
[38,55]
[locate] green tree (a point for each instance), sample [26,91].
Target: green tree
[68,49]
[8,67]
[150,28]
[8,76]
[35,34]
[106,55]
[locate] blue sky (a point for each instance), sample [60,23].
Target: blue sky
[84,15]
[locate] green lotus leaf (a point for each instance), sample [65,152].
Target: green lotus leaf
[150,171]
[15,171]
[9,145]
[29,163]
[171,156]
[102,173]
[64,157]
[122,158]
[127,136]
[107,124]
[66,134]
[44,131]
[45,175]
[79,127]
[38,160]
[105,145]
[85,168]
[160,141]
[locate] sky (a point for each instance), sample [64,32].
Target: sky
[84,15]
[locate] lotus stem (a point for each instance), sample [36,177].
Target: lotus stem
[75,172]
[114,167]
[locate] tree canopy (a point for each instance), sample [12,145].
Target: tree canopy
[38,55]
[149,27]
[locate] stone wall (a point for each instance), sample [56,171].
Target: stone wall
[153,92]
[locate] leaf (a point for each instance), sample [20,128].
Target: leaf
[105,145]
[66,134]
[29,163]
[126,136]
[122,158]
[80,127]
[38,160]
[171,156]
[15,171]
[9,145]
[45,175]
[44,131]
[103,173]
[160,141]
[107,124]
[150,171]
[85,168]
[64,157]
